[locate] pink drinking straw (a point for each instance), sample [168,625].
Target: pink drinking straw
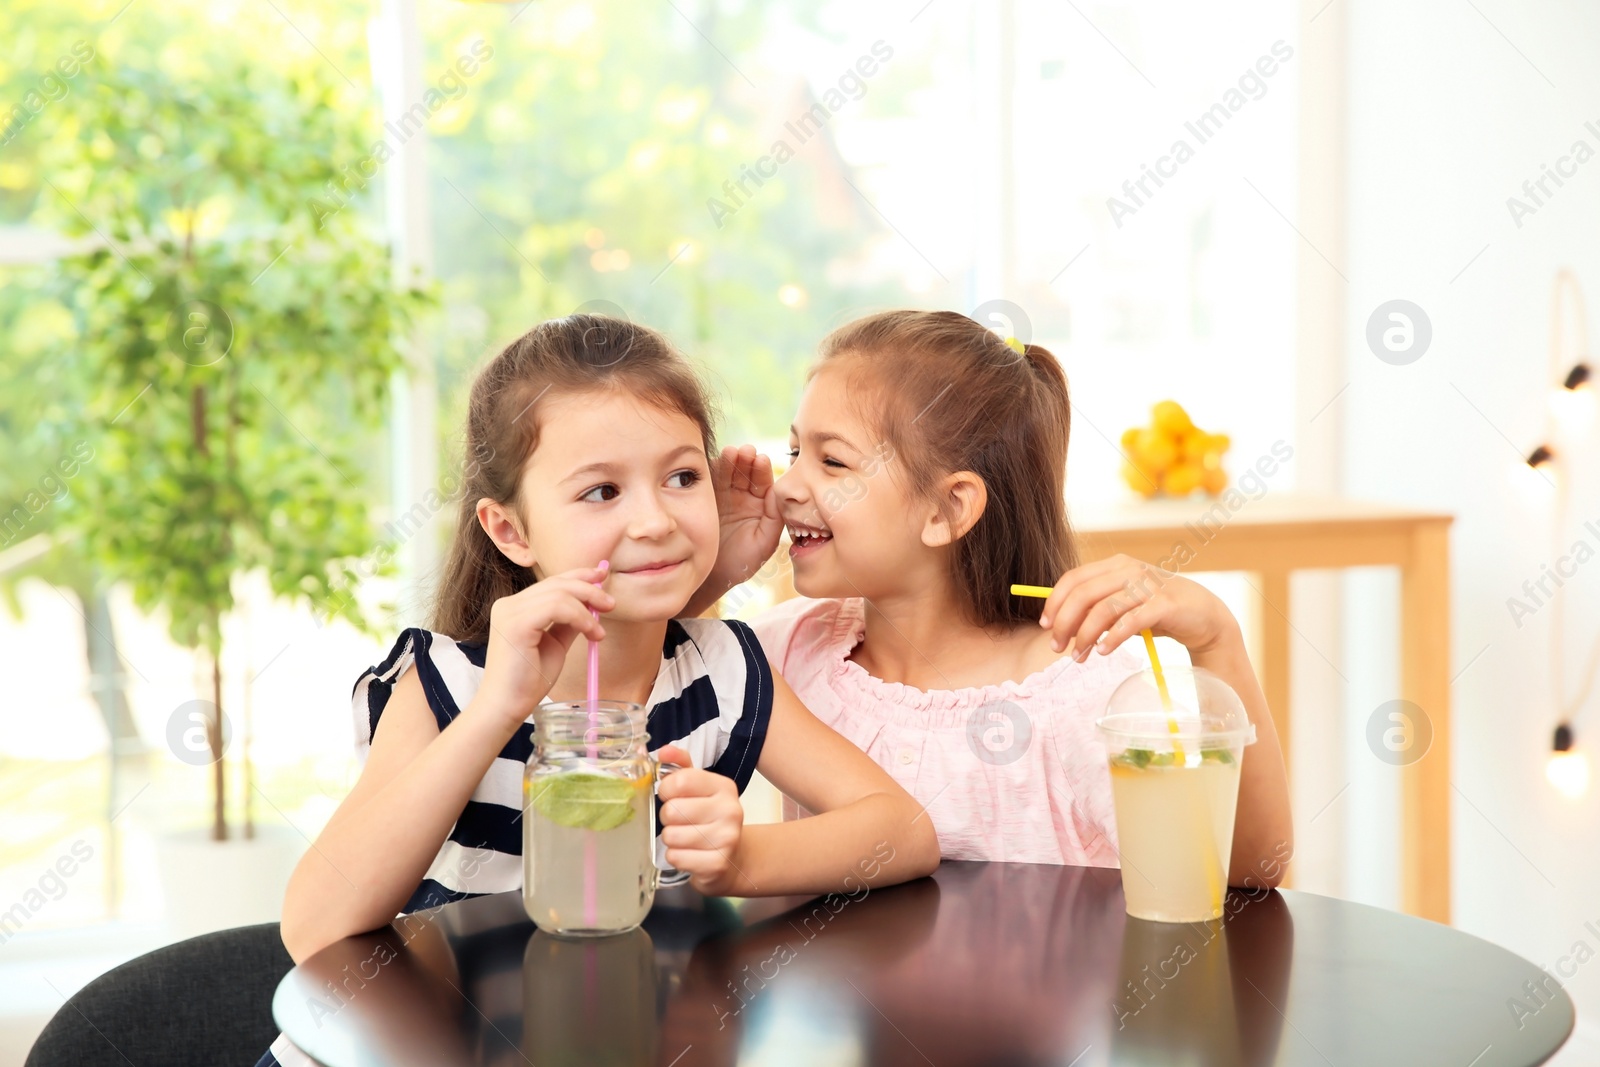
[590,909]
[594,668]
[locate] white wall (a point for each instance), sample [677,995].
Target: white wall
[1452,107]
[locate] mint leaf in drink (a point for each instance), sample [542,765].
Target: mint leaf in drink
[1217,755]
[583,801]
[1142,758]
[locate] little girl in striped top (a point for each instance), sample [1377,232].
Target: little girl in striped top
[928,463]
[591,439]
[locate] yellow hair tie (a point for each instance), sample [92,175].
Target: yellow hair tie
[1017,346]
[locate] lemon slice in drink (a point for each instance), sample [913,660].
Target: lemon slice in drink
[583,801]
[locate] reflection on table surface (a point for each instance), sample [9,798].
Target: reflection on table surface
[982,963]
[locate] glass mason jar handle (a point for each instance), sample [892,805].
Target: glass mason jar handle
[666,874]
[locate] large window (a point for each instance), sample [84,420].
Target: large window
[742,176]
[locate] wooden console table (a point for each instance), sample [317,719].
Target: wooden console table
[1280,533]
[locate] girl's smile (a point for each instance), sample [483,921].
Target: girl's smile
[651,570]
[805,539]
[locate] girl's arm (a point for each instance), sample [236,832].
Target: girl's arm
[1263,834]
[1120,596]
[868,831]
[373,853]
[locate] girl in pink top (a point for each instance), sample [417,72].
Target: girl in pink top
[927,458]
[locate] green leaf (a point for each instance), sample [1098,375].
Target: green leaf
[582,800]
[1144,757]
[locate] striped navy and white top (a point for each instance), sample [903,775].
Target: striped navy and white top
[712,698]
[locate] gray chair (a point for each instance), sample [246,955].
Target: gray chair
[206,1001]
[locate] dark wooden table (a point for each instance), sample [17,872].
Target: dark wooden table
[980,964]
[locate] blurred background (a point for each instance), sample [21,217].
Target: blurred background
[252,253]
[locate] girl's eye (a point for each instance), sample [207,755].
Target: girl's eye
[690,478]
[607,492]
[794,454]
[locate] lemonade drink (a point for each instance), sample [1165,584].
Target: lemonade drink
[588,819]
[576,817]
[1175,828]
[1175,747]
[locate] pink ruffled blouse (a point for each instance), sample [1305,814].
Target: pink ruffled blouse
[1009,772]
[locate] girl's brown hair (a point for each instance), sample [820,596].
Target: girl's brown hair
[948,395]
[577,354]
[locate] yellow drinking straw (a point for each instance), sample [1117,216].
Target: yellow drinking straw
[1215,879]
[1161,679]
[1161,687]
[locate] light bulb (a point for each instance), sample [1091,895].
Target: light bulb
[1573,410]
[1533,486]
[1568,772]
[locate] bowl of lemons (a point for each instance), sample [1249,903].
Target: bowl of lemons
[1173,457]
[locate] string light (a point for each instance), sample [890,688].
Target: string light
[1572,408]
[1568,769]
[1573,404]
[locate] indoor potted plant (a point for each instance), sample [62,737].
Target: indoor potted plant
[241,344]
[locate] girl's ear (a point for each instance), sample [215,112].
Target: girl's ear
[503,529]
[962,497]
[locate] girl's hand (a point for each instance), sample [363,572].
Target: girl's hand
[747,507]
[529,634]
[1120,596]
[702,823]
